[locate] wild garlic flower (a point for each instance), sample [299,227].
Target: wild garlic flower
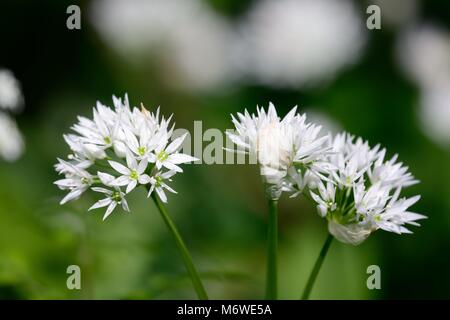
[113,198]
[362,193]
[120,147]
[132,174]
[158,184]
[279,146]
[77,180]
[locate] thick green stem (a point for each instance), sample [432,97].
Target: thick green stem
[316,269]
[198,286]
[272,247]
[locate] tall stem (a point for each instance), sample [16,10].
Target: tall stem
[272,247]
[316,269]
[197,283]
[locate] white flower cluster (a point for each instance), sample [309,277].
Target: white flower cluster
[282,148]
[118,149]
[353,186]
[11,99]
[362,192]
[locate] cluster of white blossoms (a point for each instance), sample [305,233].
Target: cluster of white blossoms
[283,148]
[353,186]
[118,150]
[362,192]
[11,100]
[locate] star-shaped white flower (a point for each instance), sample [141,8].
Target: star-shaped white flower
[143,145]
[77,180]
[167,155]
[113,198]
[158,184]
[133,174]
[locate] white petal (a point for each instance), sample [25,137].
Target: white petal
[72,195]
[119,167]
[290,115]
[102,190]
[131,186]
[172,166]
[178,158]
[272,112]
[322,210]
[142,166]
[125,205]
[100,204]
[175,144]
[66,183]
[144,179]
[105,178]
[144,136]
[131,161]
[168,188]
[168,174]
[121,181]
[95,151]
[151,158]
[120,149]
[150,191]
[161,194]
[131,139]
[110,209]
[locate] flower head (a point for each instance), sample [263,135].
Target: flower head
[120,148]
[362,193]
[279,145]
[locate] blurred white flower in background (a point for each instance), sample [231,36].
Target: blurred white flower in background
[10,92]
[424,54]
[11,142]
[285,43]
[187,35]
[11,99]
[297,43]
[434,113]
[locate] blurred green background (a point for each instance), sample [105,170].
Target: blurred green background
[220,209]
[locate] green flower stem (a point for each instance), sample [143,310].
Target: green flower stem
[198,286]
[272,247]
[316,269]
